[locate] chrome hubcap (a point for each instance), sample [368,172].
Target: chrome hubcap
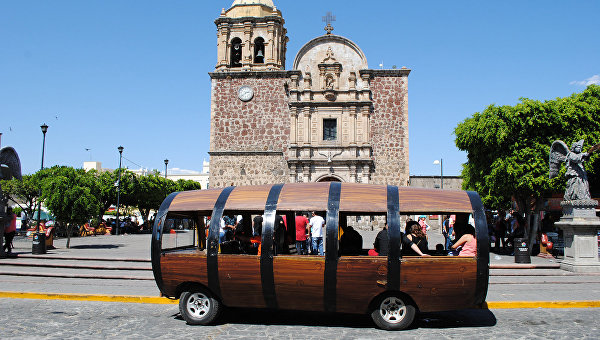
[392,309]
[198,305]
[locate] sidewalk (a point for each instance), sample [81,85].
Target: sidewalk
[130,247]
[136,247]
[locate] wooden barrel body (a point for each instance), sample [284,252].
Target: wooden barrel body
[319,283]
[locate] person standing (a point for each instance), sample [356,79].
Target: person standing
[301,223]
[423,223]
[9,231]
[316,225]
[500,232]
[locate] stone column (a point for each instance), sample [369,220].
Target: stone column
[306,126]
[223,37]
[580,232]
[352,118]
[247,50]
[294,126]
[306,173]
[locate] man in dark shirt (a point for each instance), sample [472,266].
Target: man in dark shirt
[350,242]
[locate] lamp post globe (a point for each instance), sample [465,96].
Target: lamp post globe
[441,163]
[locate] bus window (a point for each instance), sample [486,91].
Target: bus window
[240,233]
[357,233]
[179,232]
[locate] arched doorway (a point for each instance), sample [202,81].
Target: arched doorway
[329,178]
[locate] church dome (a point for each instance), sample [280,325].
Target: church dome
[251,8]
[268,3]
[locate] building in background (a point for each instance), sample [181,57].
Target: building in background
[202,177]
[330,118]
[433,182]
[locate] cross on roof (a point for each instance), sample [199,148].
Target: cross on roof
[329,18]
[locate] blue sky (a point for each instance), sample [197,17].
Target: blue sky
[104,73]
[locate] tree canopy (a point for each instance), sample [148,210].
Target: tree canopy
[25,192]
[508,147]
[75,196]
[71,195]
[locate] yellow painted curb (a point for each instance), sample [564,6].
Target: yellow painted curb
[165,301]
[89,297]
[540,304]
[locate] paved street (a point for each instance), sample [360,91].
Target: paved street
[118,265]
[91,320]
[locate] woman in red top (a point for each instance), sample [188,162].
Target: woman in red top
[9,231]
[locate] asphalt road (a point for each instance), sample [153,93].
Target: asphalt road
[58,319]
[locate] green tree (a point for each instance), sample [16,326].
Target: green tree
[149,192]
[186,185]
[25,192]
[508,148]
[71,195]
[107,189]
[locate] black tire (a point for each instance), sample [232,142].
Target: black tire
[198,307]
[393,312]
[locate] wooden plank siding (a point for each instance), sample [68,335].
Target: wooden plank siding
[434,283]
[355,197]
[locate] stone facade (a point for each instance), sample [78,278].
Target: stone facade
[331,118]
[248,139]
[389,126]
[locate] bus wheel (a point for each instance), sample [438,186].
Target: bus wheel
[393,313]
[198,307]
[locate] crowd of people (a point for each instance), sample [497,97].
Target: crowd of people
[505,229]
[243,234]
[236,234]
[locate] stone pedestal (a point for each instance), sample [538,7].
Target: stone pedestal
[580,232]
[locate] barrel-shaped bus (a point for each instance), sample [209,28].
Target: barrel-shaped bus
[193,261]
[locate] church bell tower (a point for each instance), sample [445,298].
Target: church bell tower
[250,120]
[251,37]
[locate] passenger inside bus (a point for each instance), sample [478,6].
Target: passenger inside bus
[467,242]
[350,242]
[414,232]
[381,244]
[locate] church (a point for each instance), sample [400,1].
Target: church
[329,118]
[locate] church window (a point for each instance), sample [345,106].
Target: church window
[259,51]
[236,52]
[329,129]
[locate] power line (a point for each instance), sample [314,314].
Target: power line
[132,162]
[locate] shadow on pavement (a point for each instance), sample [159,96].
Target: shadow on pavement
[450,319]
[96,246]
[456,319]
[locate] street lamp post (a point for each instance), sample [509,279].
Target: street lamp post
[166,163]
[441,163]
[39,239]
[120,148]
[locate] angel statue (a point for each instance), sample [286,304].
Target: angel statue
[577,181]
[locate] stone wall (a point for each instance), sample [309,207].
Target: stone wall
[247,169]
[249,135]
[389,127]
